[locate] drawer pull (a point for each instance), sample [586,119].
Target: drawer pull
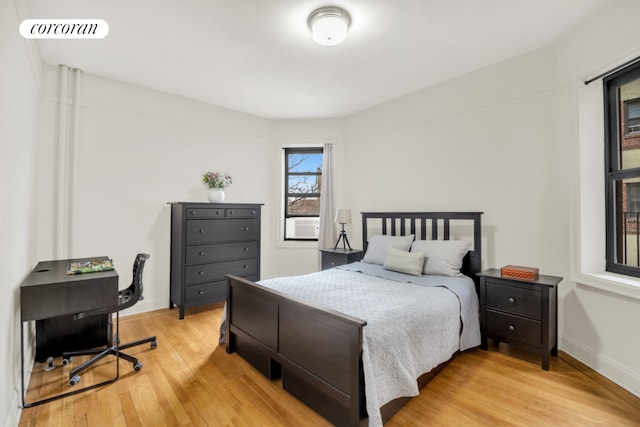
[246,229]
[193,212]
[201,230]
[512,300]
[512,328]
[230,212]
[245,266]
[200,253]
[253,212]
[201,273]
[200,292]
[246,249]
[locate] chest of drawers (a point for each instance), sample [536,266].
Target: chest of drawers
[208,241]
[520,312]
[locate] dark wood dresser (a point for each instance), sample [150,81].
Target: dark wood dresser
[521,312]
[208,241]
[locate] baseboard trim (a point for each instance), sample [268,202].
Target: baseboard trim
[606,367]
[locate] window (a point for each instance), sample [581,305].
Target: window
[632,116]
[622,162]
[302,187]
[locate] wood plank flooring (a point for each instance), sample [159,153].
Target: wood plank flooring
[188,380]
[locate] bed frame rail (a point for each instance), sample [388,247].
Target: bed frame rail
[323,368]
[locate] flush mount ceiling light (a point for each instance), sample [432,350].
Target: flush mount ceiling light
[329,25]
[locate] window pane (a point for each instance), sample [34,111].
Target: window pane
[627,193]
[305,162]
[633,196]
[630,115]
[303,205]
[303,184]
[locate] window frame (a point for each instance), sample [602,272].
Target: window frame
[287,193]
[614,170]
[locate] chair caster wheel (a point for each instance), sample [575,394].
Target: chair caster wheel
[66,361]
[137,366]
[74,380]
[154,344]
[50,366]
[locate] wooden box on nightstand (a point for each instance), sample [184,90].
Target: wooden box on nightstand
[335,257]
[520,311]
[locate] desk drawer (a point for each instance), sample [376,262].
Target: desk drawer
[228,251]
[527,302]
[221,230]
[216,271]
[512,327]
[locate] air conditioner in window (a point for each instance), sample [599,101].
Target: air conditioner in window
[306,228]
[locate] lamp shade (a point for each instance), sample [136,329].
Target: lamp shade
[329,25]
[343,216]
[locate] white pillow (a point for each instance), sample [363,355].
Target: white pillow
[378,245]
[443,257]
[404,262]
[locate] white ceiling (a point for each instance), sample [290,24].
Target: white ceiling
[257,56]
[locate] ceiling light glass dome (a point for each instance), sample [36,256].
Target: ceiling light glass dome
[329,25]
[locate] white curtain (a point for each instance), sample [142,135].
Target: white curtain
[327,232]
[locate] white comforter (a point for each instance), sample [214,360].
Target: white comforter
[413,323]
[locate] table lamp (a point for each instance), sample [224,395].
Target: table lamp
[343,216]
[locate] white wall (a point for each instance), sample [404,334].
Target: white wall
[139,149]
[482,142]
[18,135]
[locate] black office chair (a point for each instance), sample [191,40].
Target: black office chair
[126,298]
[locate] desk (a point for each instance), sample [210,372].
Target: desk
[48,292]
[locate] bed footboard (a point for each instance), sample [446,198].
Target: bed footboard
[316,351]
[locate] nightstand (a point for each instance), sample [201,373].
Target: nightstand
[335,257]
[521,312]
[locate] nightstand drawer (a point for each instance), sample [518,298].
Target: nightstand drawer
[527,302]
[516,328]
[333,260]
[336,257]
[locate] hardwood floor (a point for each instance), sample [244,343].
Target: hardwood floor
[188,380]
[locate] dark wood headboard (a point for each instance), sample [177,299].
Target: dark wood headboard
[430,226]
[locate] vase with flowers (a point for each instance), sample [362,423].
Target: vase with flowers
[216,182]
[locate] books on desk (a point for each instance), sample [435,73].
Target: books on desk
[90,266]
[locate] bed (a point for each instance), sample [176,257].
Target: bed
[333,352]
